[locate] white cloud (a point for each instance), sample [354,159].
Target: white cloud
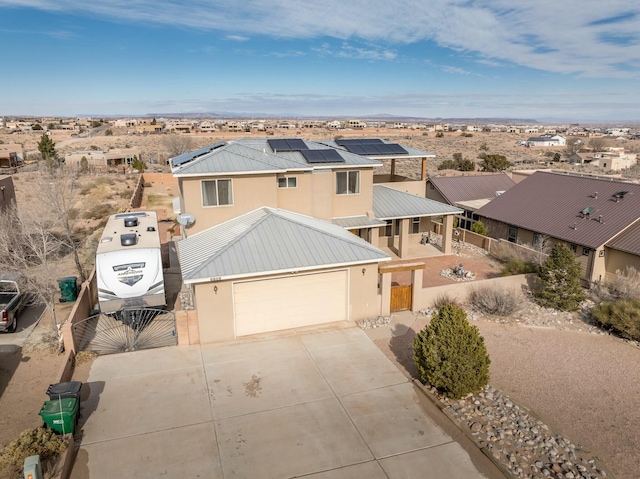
[587,37]
[237,38]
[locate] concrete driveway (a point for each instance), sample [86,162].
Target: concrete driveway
[319,404]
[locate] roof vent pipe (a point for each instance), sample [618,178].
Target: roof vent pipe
[575,226]
[600,219]
[595,195]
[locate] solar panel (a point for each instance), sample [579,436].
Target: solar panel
[192,155]
[376,149]
[358,141]
[322,156]
[287,144]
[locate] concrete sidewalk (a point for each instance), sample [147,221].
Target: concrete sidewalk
[320,403]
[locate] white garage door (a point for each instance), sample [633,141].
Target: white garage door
[290,302]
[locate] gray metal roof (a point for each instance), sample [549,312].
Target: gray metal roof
[412,152]
[389,203]
[350,222]
[237,158]
[551,204]
[470,187]
[628,241]
[269,240]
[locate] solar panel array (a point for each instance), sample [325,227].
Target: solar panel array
[322,156]
[192,155]
[372,147]
[287,144]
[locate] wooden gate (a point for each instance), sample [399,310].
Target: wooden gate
[401,297]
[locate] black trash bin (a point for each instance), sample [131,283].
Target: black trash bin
[66,390]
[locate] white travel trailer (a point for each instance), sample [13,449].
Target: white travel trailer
[129,263]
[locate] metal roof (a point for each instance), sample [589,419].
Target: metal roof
[412,153]
[628,241]
[350,222]
[551,204]
[267,241]
[389,203]
[237,158]
[455,189]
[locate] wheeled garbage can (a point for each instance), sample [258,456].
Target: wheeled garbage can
[60,415]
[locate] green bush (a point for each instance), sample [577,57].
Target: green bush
[450,354]
[480,228]
[560,278]
[623,317]
[518,266]
[495,300]
[41,441]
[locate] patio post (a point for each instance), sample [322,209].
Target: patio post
[403,242]
[447,234]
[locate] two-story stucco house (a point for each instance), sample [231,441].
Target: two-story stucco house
[285,233]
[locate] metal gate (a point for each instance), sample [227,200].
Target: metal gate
[126,330]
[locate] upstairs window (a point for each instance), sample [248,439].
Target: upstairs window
[217,193]
[415,225]
[347,182]
[288,182]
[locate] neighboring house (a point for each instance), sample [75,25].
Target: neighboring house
[7,191]
[104,159]
[590,215]
[608,160]
[11,155]
[469,192]
[355,124]
[547,140]
[287,232]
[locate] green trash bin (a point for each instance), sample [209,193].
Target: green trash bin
[68,289]
[60,415]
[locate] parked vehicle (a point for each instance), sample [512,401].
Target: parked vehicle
[12,302]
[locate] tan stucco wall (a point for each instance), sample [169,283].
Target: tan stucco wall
[322,191]
[249,193]
[358,204]
[300,198]
[216,313]
[413,187]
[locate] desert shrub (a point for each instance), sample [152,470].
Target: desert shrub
[560,280]
[439,135]
[443,299]
[625,284]
[623,317]
[125,194]
[480,228]
[98,211]
[450,354]
[495,300]
[41,441]
[505,251]
[518,266]
[105,180]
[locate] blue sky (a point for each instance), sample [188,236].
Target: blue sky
[571,60]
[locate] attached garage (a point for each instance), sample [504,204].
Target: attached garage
[290,302]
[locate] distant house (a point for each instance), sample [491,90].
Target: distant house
[11,155]
[593,216]
[468,192]
[355,124]
[104,159]
[547,140]
[614,160]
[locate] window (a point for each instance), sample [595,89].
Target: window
[347,182]
[216,193]
[585,251]
[415,225]
[287,182]
[512,234]
[387,229]
[601,253]
[574,248]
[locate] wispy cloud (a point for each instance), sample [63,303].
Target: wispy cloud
[347,50]
[572,36]
[237,38]
[59,34]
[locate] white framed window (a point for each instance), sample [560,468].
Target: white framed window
[288,182]
[347,182]
[415,225]
[217,193]
[585,251]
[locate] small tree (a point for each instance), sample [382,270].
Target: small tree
[495,163]
[556,157]
[108,132]
[84,164]
[560,278]
[138,165]
[480,228]
[450,353]
[47,149]
[37,127]
[598,143]
[439,135]
[573,145]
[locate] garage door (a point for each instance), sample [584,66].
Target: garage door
[290,302]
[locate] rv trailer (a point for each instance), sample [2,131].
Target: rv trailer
[129,263]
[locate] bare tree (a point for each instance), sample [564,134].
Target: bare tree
[57,189]
[598,143]
[30,248]
[573,145]
[177,144]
